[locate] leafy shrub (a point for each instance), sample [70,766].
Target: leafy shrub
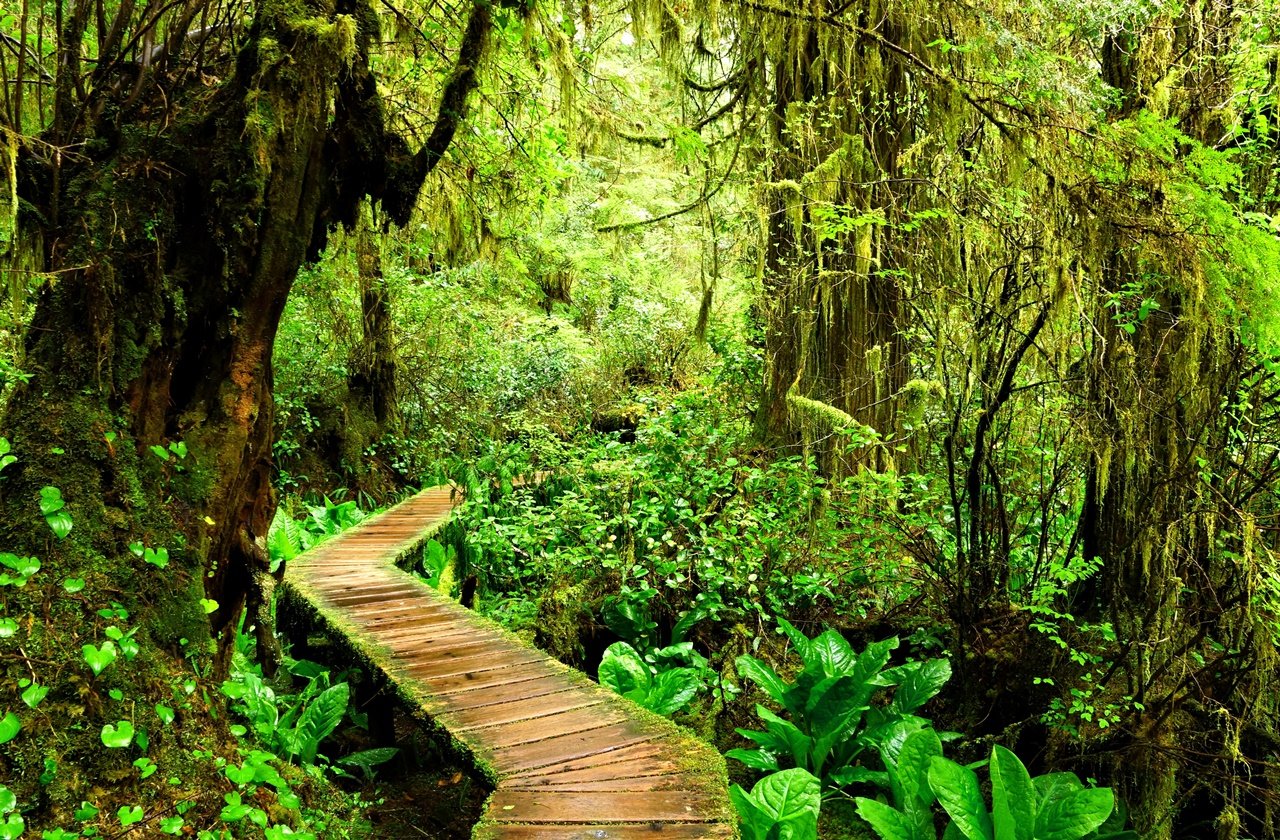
[829,703]
[782,806]
[1056,806]
[662,691]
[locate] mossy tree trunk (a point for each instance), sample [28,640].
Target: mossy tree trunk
[1178,581]
[173,240]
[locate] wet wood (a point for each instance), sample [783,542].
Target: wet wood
[572,761]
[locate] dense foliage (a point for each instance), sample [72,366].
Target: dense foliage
[841,380]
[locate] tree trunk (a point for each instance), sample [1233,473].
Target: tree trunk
[181,229]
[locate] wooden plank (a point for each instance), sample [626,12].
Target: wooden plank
[479,664]
[508,695]
[526,806]
[529,708]
[573,761]
[577,746]
[665,781]
[447,686]
[651,758]
[538,729]
[652,831]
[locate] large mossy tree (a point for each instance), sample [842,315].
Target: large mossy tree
[180,163]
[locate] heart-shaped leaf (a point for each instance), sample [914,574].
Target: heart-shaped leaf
[98,658]
[130,814]
[209,605]
[34,693]
[73,585]
[51,500]
[10,725]
[164,713]
[8,627]
[60,523]
[117,736]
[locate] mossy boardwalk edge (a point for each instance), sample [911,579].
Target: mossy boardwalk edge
[568,758]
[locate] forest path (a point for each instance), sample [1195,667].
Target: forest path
[569,758]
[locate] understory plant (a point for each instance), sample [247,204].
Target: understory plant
[664,691]
[1056,806]
[829,717]
[781,806]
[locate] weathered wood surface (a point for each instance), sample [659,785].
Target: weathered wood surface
[569,759]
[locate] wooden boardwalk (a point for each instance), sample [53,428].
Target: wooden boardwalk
[568,758]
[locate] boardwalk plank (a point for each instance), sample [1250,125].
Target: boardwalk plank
[572,761]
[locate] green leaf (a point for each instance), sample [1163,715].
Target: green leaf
[832,654]
[171,825]
[1074,815]
[319,720]
[762,675]
[756,759]
[957,789]
[13,827]
[129,814]
[60,523]
[209,605]
[1013,797]
[73,585]
[8,801]
[623,670]
[98,658]
[10,725]
[34,694]
[921,686]
[889,823]
[164,713]
[86,811]
[117,736]
[789,795]
[8,628]
[918,751]
[51,500]
[672,690]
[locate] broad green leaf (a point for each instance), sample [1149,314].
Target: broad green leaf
[921,685]
[130,814]
[165,714]
[795,741]
[754,821]
[51,500]
[888,822]
[957,789]
[623,670]
[117,736]
[832,653]
[13,827]
[34,694]
[73,585]
[10,725]
[762,759]
[798,640]
[8,801]
[672,690]
[918,751]
[8,628]
[171,825]
[98,658]
[1013,797]
[60,523]
[1074,815]
[789,794]
[762,675]
[319,720]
